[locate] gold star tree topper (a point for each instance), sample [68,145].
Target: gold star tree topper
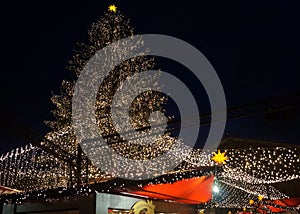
[112,8]
[219,157]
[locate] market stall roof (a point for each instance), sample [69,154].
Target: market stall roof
[291,202]
[6,190]
[191,191]
[280,205]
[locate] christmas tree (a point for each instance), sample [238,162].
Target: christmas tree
[111,27]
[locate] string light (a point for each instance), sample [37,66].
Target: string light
[32,172]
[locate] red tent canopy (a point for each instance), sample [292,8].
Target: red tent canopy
[290,202]
[287,202]
[275,209]
[190,191]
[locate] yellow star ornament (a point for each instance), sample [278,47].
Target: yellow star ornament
[260,197]
[219,157]
[251,202]
[112,8]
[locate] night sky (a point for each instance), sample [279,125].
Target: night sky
[254,47]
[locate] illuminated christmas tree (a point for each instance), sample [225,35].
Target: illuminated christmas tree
[111,27]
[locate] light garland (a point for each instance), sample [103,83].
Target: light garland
[247,174]
[31,164]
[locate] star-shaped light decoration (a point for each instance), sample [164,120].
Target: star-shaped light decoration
[112,8]
[251,202]
[219,157]
[260,197]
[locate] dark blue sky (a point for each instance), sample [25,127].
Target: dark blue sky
[254,47]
